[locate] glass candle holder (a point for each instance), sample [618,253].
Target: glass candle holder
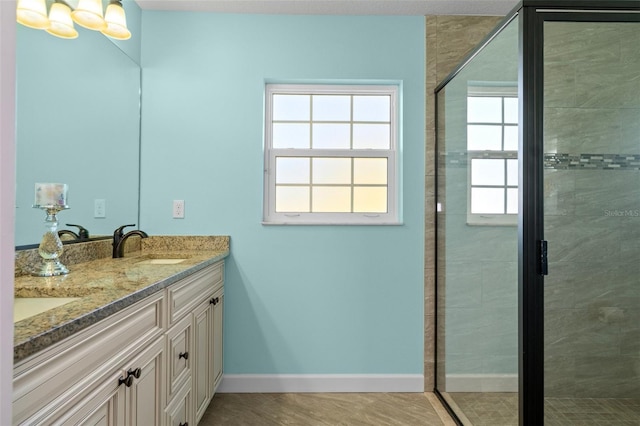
[50,248]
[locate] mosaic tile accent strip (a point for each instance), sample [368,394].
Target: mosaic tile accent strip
[560,161]
[592,161]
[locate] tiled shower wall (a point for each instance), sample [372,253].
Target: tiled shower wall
[448,40]
[592,209]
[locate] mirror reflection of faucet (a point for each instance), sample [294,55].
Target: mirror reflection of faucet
[67,235]
[119,239]
[83,233]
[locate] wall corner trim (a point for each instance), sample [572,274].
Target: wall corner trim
[301,383]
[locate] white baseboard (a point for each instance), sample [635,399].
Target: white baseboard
[299,383]
[482,383]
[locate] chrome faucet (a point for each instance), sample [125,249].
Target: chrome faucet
[119,238]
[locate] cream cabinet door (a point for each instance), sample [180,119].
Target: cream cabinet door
[108,413]
[129,396]
[207,327]
[102,407]
[145,398]
[203,348]
[216,359]
[135,402]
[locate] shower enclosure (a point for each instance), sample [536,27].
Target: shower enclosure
[538,222]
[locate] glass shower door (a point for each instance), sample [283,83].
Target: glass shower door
[592,223]
[477,260]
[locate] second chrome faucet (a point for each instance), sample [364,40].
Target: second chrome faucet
[119,239]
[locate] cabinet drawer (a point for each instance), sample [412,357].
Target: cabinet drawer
[179,411]
[185,295]
[74,364]
[179,355]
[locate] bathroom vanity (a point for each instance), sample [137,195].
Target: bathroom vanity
[140,342]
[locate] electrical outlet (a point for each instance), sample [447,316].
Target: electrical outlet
[99,208]
[178,209]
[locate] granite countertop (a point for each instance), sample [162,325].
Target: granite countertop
[103,286]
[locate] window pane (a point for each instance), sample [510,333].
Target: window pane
[510,138]
[512,172]
[487,200]
[293,199]
[511,110]
[372,108]
[484,109]
[292,170]
[331,170]
[329,148]
[480,138]
[331,136]
[331,108]
[512,201]
[331,199]
[487,172]
[290,135]
[369,199]
[291,107]
[370,171]
[371,136]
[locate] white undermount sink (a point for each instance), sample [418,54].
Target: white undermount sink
[25,307]
[160,261]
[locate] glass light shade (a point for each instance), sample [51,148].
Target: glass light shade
[32,13]
[116,22]
[61,23]
[89,15]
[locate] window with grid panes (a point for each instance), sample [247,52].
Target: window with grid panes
[492,144]
[330,154]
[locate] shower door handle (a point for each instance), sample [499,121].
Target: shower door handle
[544,261]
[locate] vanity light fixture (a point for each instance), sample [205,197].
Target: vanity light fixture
[88,13]
[60,21]
[116,22]
[32,13]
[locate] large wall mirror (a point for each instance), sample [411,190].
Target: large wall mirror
[78,122]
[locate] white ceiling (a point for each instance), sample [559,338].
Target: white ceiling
[337,7]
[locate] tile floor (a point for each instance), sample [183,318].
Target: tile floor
[408,409]
[309,409]
[592,411]
[485,409]
[501,409]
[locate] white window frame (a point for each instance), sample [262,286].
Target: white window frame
[271,217]
[491,219]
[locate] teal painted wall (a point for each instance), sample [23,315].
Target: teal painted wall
[299,299]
